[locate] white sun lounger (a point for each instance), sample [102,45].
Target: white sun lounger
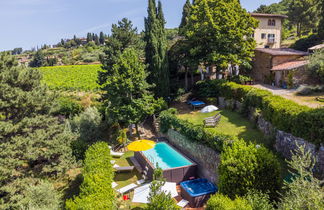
[139,182]
[183,203]
[114,184]
[116,154]
[126,188]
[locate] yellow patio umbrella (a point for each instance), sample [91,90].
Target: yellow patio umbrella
[141,145]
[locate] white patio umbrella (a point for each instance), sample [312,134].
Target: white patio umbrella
[141,194]
[208,109]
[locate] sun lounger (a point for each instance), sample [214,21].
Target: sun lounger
[139,182]
[113,161]
[114,184]
[183,203]
[124,169]
[126,188]
[116,166]
[116,154]
[212,122]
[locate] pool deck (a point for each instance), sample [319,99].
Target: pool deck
[179,198]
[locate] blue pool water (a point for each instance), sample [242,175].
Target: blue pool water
[199,187]
[166,157]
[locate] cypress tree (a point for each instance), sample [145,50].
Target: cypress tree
[102,38]
[185,16]
[156,49]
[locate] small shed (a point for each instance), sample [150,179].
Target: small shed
[271,65]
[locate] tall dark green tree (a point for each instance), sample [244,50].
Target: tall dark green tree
[263,9]
[303,14]
[102,38]
[156,49]
[123,35]
[33,144]
[185,16]
[38,60]
[321,23]
[126,91]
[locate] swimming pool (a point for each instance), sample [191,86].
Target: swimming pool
[166,157]
[197,191]
[176,167]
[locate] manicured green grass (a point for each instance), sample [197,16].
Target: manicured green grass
[124,179]
[231,123]
[74,77]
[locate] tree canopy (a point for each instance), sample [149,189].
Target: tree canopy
[156,50]
[222,32]
[33,144]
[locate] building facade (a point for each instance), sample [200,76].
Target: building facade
[268,33]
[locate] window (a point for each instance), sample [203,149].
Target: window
[271,38]
[263,36]
[271,22]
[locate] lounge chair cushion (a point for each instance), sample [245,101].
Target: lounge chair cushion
[183,203]
[126,188]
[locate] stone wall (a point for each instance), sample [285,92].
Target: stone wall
[207,159]
[284,143]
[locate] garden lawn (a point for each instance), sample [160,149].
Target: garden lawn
[231,123]
[123,179]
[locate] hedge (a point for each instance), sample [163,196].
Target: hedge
[284,114]
[96,188]
[222,202]
[168,120]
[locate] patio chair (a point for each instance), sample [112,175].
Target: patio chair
[182,203]
[127,188]
[212,117]
[124,169]
[212,122]
[116,154]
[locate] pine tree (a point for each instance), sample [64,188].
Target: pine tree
[321,23]
[156,49]
[102,38]
[33,144]
[38,60]
[126,91]
[185,16]
[123,35]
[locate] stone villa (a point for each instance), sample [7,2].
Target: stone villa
[268,33]
[272,64]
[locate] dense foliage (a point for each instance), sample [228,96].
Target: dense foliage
[158,199]
[316,64]
[66,106]
[33,144]
[259,200]
[96,189]
[245,166]
[220,32]
[284,114]
[222,202]
[126,90]
[156,50]
[304,192]
[193,132]
[77,77]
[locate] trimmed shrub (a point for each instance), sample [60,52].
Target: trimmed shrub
[222,202]
[259,201]
[284,114]
[96,190]
[245,166]
[193,132]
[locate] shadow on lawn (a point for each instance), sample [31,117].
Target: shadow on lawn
[250,132]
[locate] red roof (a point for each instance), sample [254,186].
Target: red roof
[268,15]
[290,65]
[281,51]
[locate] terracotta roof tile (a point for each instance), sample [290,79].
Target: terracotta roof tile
[268,15]
[290,65]
[281,51]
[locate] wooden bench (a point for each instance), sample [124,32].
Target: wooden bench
[212,122]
